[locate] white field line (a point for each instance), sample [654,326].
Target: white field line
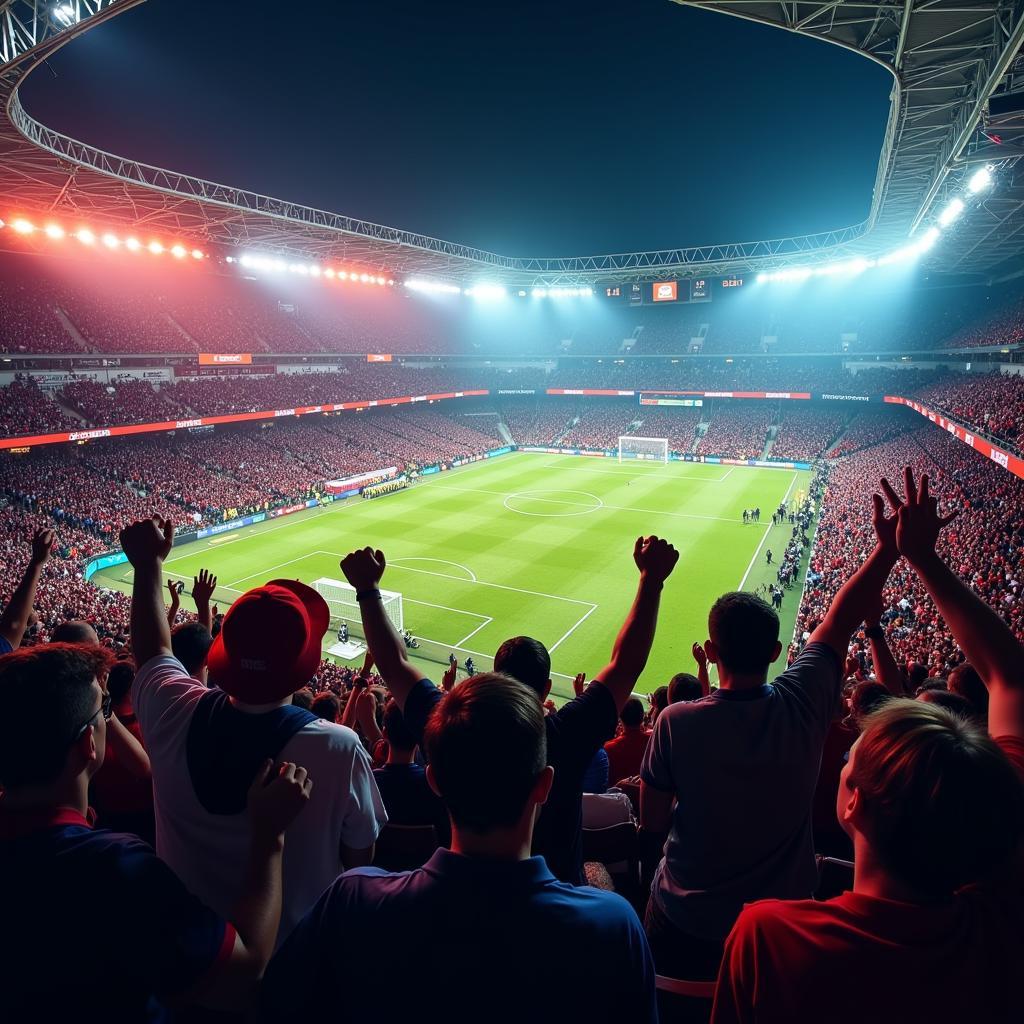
[445,608]
[580,504]
[586,467]
[487,621]
[482,583]
[572,629]
[439,561]
[727,475]
[767,530]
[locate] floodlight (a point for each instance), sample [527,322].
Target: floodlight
[762,278]
[22,226]
[111,241]
[343,274]
[197,254]
[380,280]
[364,278]
[928,239]
[65,14]
[134,245]
[951,212]
[487,291]
[85,236]
[980,180]
[54,231]
[539,293]
[329,272]
[155,248]
[178,251]
[314,270]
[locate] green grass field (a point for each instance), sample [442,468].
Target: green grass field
[528,543]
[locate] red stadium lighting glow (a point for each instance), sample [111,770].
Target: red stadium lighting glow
[197,254]
[364,278]
[54,231]
[132,244]
[343,275]
[155,248]
[111,241]
[85,236]
[22,226]
[380,280]
[178,251]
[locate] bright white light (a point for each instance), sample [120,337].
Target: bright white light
[54,231]
[314,270]
[22,226]
[763,278]
[134,245]
[487,291]
[197,254]
[928,239]
[65,14]
[951,212]
[178,251]
[980,180]
[85,236]
[343,274]
[155,248]
[539,293]
[419,284]
[111,241]
[380,280]
[329,272]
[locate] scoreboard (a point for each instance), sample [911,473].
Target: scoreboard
[669,290]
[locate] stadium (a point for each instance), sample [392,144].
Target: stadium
[490,446]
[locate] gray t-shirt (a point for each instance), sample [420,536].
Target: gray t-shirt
[743,765]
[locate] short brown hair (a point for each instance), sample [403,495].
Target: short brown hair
[944,805]
[46,694]
[745,630]
[487,743]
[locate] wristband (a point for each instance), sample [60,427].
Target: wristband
[365,595]
[874,632]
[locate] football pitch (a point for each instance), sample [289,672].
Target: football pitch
[532,544]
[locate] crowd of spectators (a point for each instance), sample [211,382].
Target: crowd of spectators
[738,429]
[991,403]
[805,433]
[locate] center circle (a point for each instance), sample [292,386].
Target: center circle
[553,504]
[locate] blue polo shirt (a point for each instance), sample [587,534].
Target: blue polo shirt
[575,732]
[463,939]
[95,925]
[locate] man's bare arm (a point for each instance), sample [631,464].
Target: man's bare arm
[18,612]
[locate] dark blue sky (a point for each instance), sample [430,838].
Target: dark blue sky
[538,128]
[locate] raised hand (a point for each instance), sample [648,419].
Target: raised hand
[918,521]
[885,526]
[148,542]
[448,679]
[579,683]
[699,655]
[276,797]
[203,586]
[43,543]
[364,568]
[655,558]
[172,589]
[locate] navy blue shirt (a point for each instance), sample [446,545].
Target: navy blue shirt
[576,731]
[95,925]
[408,798]
[463,939]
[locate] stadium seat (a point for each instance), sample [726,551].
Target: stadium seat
[684,1002]
[615,846]
[835,876]
[404,847]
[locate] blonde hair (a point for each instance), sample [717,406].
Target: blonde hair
[943,804]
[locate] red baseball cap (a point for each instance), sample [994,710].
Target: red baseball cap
[269,642]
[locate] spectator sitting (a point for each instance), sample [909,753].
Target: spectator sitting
[166,943]
[327,707]
[204,744]
[731,778]
[626,751]
[495,912]
[190,644]
[402,782]
[574,732]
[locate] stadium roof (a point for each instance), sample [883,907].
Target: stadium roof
[947,58]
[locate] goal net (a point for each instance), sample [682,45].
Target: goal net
[652,449]
[341,599]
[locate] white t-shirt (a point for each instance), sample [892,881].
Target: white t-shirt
[209,851]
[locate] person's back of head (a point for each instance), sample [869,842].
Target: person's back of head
[527,660]
[684,686]
[119,681]
[486,745]
[916,675]
[866,698]
[303,698]
[953,702]
[325,706]
[396,732]
[190,644]
[75,631]
[744,632]
[934,797]
[965,681]
[632,714]
[61,679]
[659,700]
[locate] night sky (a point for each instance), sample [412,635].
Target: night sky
[537,128]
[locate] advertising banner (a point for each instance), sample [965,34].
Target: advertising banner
[225,358]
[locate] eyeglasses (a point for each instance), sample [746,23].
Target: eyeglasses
[106,709]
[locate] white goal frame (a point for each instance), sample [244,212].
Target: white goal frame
[651,449]
[341,599]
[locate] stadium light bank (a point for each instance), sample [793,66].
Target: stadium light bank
[950,213]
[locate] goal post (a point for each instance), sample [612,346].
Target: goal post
[650,449]
[341,599]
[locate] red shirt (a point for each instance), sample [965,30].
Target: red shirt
[626,754]
[859,958]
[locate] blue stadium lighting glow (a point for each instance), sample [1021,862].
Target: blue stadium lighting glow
[953,210]
[487,291]
[421,284]
[980,180]
[66,15]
